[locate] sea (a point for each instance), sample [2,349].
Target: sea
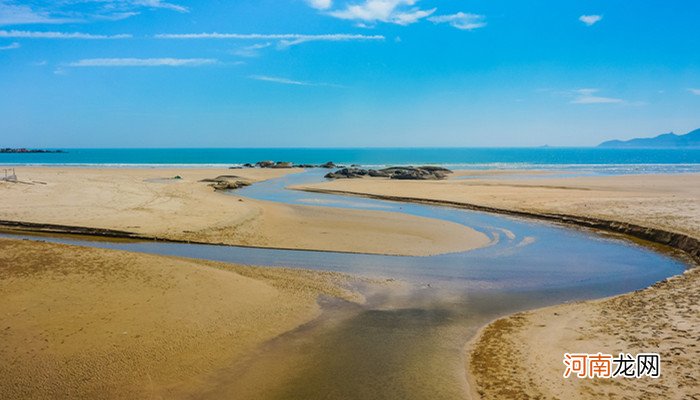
[598,160]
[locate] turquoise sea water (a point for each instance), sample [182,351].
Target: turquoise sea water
[611,160]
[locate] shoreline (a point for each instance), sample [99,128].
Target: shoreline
[107,321]
[688,245]
[149,204]
[37,229]
[520,355]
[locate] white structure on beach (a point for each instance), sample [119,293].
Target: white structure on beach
[9,175]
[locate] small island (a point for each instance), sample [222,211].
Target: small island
[24,151]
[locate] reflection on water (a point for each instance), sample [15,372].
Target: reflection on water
[407,341]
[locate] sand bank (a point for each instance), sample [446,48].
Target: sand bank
[669,202]
[91,323]
[520,356]
[144,201]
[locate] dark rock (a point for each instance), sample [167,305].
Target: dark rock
[420,173]
[226,182]
[305,166]
[229,185]
[378,174]
[265,164]
[417,175]
[432,168]
[407,173]
[248,165]
[329,164]
[347,173]
[282,164]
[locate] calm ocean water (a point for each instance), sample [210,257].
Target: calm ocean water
[601,160]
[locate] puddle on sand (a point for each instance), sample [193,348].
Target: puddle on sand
[403,344]
[387,350]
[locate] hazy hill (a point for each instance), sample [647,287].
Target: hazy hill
[666,140]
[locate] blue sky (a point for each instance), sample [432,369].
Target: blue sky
[334,73]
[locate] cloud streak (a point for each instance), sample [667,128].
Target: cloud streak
[694,91]
[11,46]
[460,20]
[287,81]
[143,62]
[284,40]
[153,4]
[590,20]
[589,96]
[73,11]
[13,14]
[59,35]
[252,50]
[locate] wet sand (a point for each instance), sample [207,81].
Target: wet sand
[146,202]
[322,358]
[520,356]
[83,323]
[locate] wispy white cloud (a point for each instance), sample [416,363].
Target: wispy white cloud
[151,4]
[72,11]
[252,50]
[590,20]
[460,20]
[320,4]
[59,35]
[11,46]
[589,96]
[694,91]
[287,81]
[20,14]
[142,62]
[401,12]
[284,40]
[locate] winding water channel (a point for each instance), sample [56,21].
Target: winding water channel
[408,340]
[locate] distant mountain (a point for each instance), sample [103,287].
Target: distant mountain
[667,140]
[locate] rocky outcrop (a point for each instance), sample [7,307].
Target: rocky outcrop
[272,164]
[405,173]
[265,164]
[226,182]
[420,173]
[229,185]
[347,173]
[378,174]
[287,164]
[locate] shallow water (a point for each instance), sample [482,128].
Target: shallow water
[407,341]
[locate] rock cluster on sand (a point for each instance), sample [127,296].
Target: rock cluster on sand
[272,164]
[226,182]
[286,164]
[407,173]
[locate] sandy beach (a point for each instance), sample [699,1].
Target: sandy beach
[669,202]
[147,202]
[520,356]
[82,323]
